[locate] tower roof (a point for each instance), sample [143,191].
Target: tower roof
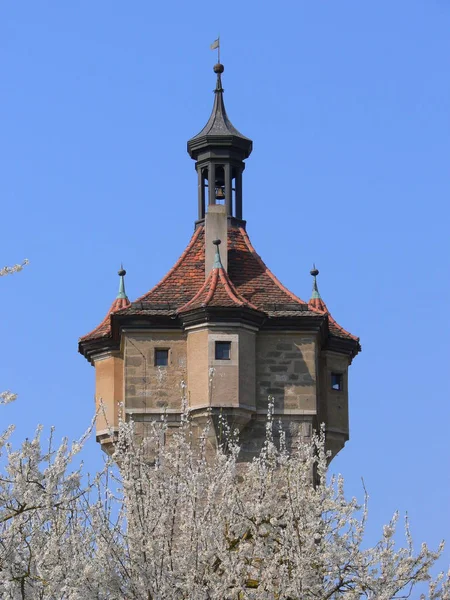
[218,290]
[219,149]
[219,131]
[246,270]
[121,302]
[248,281]
[317,304]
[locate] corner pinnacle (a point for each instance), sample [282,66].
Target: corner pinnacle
[122,293]
[217,261]
[315,291]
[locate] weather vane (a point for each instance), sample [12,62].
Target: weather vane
[216,44]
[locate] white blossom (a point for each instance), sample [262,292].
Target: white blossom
[173,517]
[13,269]
[7,397]
[177,519]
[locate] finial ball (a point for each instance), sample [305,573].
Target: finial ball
[217,242]
[121,272]
[314,272]
[219,68]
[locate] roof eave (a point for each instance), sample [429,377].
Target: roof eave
[145,321]
[222,314]
[197,144]
[348,346]
[92,348]
[301,323]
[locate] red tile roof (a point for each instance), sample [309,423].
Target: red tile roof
[184,279]
[248,281]
[104,329]
[318,305]
[217,290]
[249,275]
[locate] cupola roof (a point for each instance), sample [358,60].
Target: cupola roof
[219,131]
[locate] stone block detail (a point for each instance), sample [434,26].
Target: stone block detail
[286,370]
[148,386]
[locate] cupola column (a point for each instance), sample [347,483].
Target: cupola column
[212,183]
[228,190]
[201,194]
[238,194]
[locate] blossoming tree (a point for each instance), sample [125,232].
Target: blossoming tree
[169,518]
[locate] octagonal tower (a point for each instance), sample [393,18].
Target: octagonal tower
[222,322]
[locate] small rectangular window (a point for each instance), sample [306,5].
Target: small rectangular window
[336,381]
[161,357]
[223,350]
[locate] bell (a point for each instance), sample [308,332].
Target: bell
[220,193]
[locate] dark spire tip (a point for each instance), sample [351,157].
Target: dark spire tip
[121,272]
[217,242]
[218,68]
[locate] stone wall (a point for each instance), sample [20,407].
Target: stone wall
[333,404]
[149,388]
[198,376]
[109,394]
[224,385]
[286,365]
[297,429]
[247,369]
[286,370]
[221,383]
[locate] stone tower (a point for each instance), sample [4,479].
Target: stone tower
[222,322]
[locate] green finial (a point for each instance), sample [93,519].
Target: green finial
[315,291]
[122,293]
[217,262]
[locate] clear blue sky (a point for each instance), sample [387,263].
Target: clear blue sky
[348,106]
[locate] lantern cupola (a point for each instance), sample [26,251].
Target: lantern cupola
[219,151]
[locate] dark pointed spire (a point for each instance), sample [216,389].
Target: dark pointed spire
[122,294]
[219,125]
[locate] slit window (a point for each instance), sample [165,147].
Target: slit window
[337,381]
[223,350]
[161,357]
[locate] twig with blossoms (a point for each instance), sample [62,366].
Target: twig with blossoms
[14,269]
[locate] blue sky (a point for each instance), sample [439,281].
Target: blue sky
[348,107]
